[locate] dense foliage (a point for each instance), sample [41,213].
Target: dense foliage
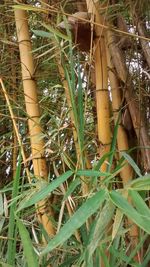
[94,125]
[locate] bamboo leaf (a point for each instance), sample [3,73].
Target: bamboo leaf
[91,173]
[113,144]
[80,108]
[71,188]
[1,204]
[103,220]
[132,163]
[117,223]
[29,8]
[28,249]
[101,160]
[142,221]
[43,33]
[11,251]
[56,32]
[139,203]
[79,218]
[2,221]
[140,184]
[44,192]
[104,256]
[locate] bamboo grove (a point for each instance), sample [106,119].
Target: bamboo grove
[75,133]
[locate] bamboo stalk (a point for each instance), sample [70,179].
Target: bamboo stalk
[102,93]
[122,139]
[101,75]
[33,112]
[137,117]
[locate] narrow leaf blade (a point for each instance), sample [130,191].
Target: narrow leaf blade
[29,252]
[79,218]
[129,211]
[44,192]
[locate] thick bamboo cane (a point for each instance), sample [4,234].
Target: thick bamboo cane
[33,112]
[122,141]
[137,117]
[101,75]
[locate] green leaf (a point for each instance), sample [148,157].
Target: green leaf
[44,192]
[104,257]
[140,184]
[139,203]
[30,255]
[29,7]
[130,212]
[1,205]
[79,218]
[80,108]
[91,173]
[56,32]
[11,251]
[117,223]
[2,221]
[101,160]
[71,188]
[103,220]
[132,163]
[113,143]
[43,33]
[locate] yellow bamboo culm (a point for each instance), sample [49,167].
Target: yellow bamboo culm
[33,111]
[122,139]
[126,173]
[101,78]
